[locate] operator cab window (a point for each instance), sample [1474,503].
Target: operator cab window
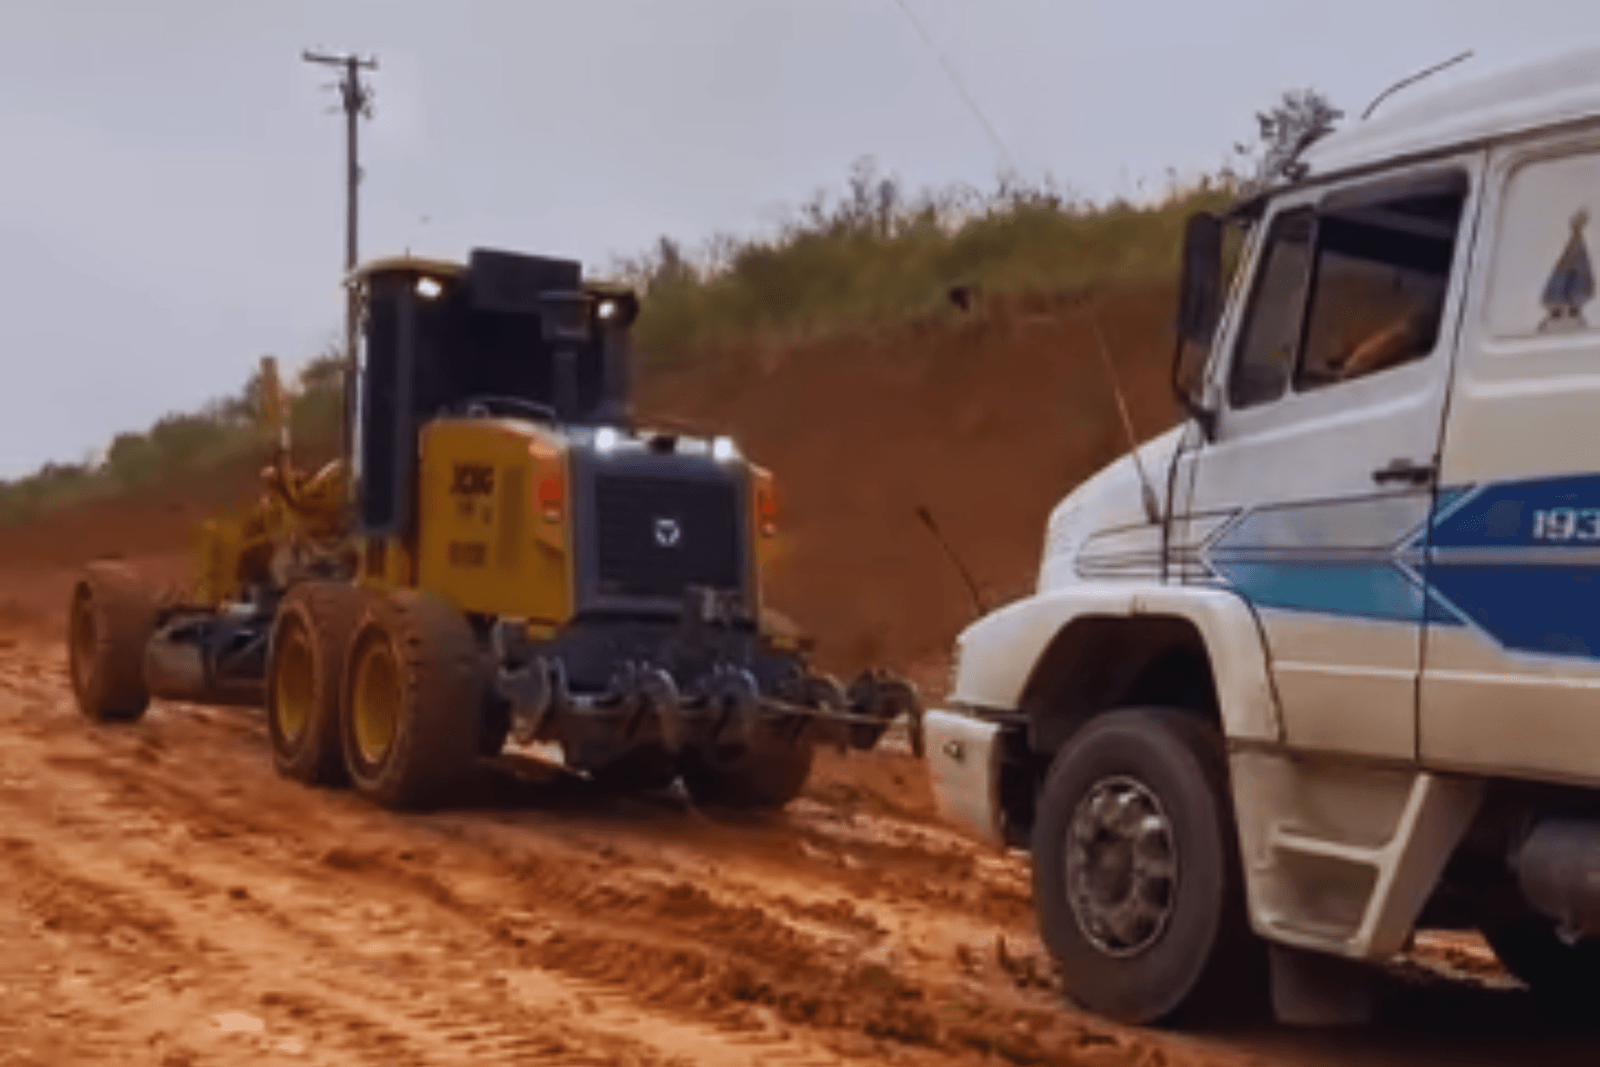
[1356,288]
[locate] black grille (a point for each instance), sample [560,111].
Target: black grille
[655,537]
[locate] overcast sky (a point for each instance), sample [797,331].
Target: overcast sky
[171,204]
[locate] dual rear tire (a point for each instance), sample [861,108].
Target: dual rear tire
[382,692]
[305,667]
[388,693]
[414,688]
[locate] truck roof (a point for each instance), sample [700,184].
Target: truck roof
[1546,93]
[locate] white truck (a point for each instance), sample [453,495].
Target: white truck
[1320,666]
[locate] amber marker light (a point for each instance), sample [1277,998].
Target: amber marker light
[767,508]
[550,497]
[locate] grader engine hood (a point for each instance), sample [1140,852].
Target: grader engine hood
[533,522]
[657,517]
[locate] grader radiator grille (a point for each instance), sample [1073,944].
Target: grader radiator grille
[655,537]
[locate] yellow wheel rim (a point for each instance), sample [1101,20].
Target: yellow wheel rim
[375,701]
[294,683]
[84,640]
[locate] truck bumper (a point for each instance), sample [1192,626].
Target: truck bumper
[963,755]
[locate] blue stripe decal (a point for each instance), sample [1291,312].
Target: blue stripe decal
[1508,514]
[1543,609]
[1362,590]
[1517,561]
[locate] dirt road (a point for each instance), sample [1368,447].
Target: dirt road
[165,899]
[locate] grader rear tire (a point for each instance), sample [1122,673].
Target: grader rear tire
[413,689]
[305,666]
[755,780]
[110,619]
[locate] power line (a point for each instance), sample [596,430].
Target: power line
[961,86]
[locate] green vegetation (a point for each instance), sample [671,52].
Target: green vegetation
[224,431]
[872,257]
[876,256]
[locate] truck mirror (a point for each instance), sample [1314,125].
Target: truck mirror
[1200,285]
[1199,305]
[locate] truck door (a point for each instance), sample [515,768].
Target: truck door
[1512,674]
[1312,501]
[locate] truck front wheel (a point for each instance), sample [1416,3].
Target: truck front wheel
[1137,879]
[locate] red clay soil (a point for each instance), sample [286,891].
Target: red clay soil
[166,899]
[987,424]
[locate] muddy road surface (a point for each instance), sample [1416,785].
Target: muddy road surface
[165,899]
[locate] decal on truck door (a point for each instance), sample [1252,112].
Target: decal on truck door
[1518,562]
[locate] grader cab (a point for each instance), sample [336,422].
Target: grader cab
[501,554]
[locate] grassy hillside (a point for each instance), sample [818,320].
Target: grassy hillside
[870,258]
[876,256]
[225,433]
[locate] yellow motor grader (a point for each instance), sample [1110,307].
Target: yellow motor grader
[501,554]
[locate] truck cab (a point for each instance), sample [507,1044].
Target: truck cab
[1343,682]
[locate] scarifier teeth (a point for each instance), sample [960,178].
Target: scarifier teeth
[661,695]
[735,692]
[531,693]
[884,697]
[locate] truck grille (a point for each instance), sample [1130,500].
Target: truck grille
[655,537]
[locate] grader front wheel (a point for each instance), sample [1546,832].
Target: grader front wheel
[110,619]
[413,692]
[304,668]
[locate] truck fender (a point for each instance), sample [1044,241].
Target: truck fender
[997,655]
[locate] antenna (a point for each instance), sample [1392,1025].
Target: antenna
[1152,505]
[1412,80]
[966,576]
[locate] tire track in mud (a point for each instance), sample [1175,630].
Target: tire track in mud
[540,923]
[798,966]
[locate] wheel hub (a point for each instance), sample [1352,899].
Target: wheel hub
[294,684]
[375,702]
[1121,866]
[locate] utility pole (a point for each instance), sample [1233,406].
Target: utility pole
[357,104]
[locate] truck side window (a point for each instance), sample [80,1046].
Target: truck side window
[1378,285]
[1271,334]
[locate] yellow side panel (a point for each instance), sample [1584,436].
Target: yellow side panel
[217,559]
[385,563]
[493,519]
